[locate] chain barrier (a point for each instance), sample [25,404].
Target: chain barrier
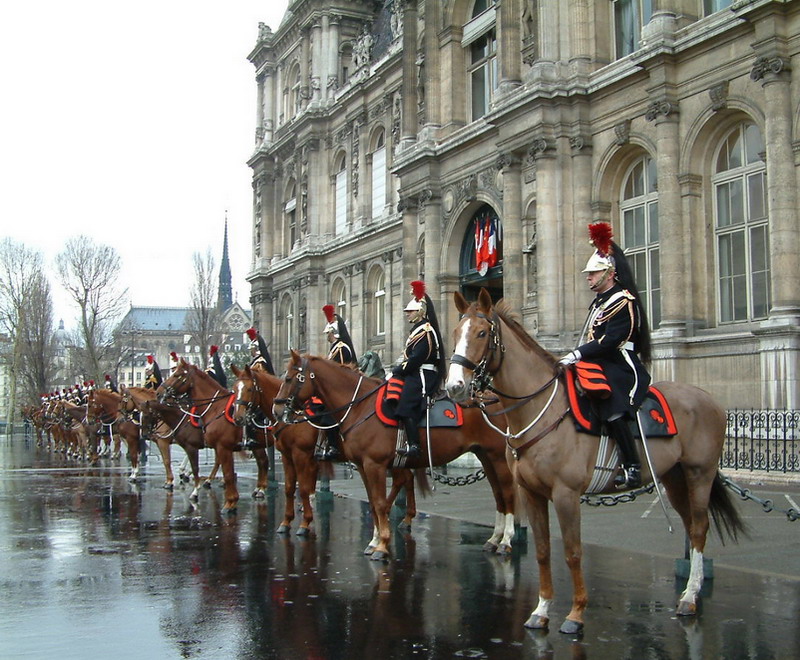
[767,505]
[459,481]
[621,498]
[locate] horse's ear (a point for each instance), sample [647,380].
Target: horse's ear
[484,300]
[295,356]
[236,371]
[461,303]
[122,387]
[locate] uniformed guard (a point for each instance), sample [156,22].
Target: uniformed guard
[152,374]
[259,351]
[215,369]
[343,352]
[616,336]
[422,365]
[173,362]
[109,384]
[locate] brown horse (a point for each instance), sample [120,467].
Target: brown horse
[551,461]
[102,407]
[370,445]
[166,425]
[255,392]
[208,404]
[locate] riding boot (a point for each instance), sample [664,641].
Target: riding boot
[411,450]
[332,452]
[631,476]
[250,439]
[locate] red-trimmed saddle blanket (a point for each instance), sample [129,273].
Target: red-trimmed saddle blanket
[445,412]
[197,422]
[655,414]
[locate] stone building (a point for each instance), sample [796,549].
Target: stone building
[388,132]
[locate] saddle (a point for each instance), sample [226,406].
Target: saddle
[654,413]
[197,422]
[444,413]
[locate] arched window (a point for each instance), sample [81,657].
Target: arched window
[293,98]
[629,17]
[290,220]
[338,296]
[378,316]
[286,325]
[379,177]
[480,38]
[742,226]
[481,261]
[639,221]
[341,196]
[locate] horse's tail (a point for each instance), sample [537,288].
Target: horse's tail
[421,477]
[724,513]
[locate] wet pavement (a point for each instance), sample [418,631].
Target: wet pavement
[92,566]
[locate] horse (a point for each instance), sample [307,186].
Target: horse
[166,425]
[351,397]
[553,462]
[209,405]
[102,407]
[255,392]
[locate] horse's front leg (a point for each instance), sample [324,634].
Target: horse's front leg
[307,472]
[164,446]
[225,460]
[539,516]
[133,456]
[567,505]
[289,488]
[262,461]
[375,482]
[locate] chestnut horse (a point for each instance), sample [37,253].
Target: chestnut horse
[165,425]
[551,461]
[208,404]
[350,397]
[255,391]
[102,407]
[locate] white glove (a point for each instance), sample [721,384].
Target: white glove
[570,358]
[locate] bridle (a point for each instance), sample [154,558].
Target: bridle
[254,411]
[495,351]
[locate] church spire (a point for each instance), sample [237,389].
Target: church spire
[224,295]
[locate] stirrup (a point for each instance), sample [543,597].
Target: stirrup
[630,477]
[409,451]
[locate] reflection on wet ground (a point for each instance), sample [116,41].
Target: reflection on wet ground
[92,566]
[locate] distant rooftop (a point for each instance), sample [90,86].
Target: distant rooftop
[155,319]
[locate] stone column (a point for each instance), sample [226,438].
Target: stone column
[409,88]
[580,25]
[430,203]
[430,86]
[316,62]
[324,54]
[305,67]
[670,219]
[260,107]
[269,104]
[332,78]
[576,233]
[510,43]
[513,282]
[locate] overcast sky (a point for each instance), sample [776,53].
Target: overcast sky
[131,123]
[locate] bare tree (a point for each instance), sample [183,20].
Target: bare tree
[204,318]
[90,274]
[38,349]
[26,312]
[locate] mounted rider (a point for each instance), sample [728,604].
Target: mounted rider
[215,369]
[152,374]
[259,351]
[343,352]
[421,367]
[110,384]
[616,336]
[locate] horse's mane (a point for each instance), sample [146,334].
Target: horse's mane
[510,318]
[346,367]
[205,376]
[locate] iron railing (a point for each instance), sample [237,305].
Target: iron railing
[765,440]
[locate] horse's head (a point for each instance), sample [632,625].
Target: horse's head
[249,396]
[297,387]
[179,383]
[477,347]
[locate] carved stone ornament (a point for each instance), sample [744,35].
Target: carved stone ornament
[660,109]
[579,142]
[539,147]
[623,132]
[768,65]
[719,95]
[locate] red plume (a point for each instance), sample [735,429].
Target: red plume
[418,289]
[330,313]
[214,349]
[108,377]
[252,333]
[600,235]
[149,359]
[174,356]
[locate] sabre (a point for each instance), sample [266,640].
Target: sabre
[427,425]
[652,471]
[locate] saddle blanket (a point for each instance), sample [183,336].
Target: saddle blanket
[654,413]
[444,413]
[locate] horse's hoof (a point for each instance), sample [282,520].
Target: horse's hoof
[369,549]
[169,486]
[258,494]
[303,531]
[184,478]
[194,497]
[207,485]
[283,529]
[379,555]
[686,608]
[404,526]
[231,511]
[489,547]
[570,627]
[537,622]
[504,549]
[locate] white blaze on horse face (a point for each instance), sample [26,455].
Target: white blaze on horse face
[455,374]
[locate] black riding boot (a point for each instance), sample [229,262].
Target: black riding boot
[332,452]
[631,476]
[411,450]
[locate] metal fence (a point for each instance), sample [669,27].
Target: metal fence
[766,440]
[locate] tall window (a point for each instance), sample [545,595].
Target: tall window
[742,227]
[711,6]
[379,178]
[481,39]
[341,197]
[629,17]
[379,306]
[338,296]
[290,221]
[639,215]
[286,324]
